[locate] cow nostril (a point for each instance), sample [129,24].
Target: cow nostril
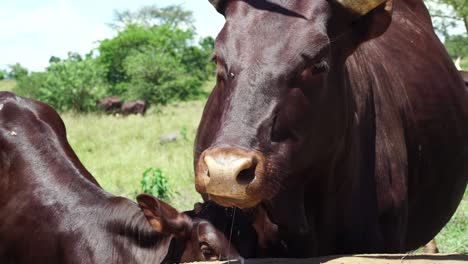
[246,176]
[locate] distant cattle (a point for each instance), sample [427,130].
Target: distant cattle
[52,210]
[111,104]
[134,107]
[345,120]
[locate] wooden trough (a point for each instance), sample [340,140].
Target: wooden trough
[363,259]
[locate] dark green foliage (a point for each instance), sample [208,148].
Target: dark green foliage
[153,57]
[150,16]
[183,133]
[155,183]
[156,64]
[17,71]
[31,85]
[457,46]
[72,84]
[3,74]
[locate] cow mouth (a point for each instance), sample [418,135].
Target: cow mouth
[234,202]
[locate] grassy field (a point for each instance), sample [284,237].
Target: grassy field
[117,150]
[464,64]
[7,85]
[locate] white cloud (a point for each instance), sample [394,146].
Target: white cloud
[32,31]
[32,36]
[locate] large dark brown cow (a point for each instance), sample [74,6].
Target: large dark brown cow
[111,104]
[346,120]
[53,211]
[134,107]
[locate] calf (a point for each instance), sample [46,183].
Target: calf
[134,107]
[111,104]
[53,211]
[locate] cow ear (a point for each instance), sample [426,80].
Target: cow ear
[164,218]
[197,208]
[374,23]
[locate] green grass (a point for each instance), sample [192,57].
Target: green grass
[7,85]
[117,150]
[454,236]
[464,64]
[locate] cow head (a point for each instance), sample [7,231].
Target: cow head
[195,237]
[280,106]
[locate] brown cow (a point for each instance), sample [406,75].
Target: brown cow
[347,120]
[53,211]
[134,107]
[111,104]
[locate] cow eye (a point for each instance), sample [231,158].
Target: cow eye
[320,67]
[214,59]
[207,251]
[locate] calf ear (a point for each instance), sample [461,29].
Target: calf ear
[197,208]
[162,217]
[267,231]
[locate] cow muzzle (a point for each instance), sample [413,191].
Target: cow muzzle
[230,176]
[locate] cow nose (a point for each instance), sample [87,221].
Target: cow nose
[239,167]
[229,172]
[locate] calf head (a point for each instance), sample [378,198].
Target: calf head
[195,238]
[280,107]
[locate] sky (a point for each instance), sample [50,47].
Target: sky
[31,31]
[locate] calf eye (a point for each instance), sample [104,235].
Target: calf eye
[320,67]
[207,251]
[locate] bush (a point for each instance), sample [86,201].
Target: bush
[3,74]
[17,71]
[155,183]
[31,85]
[156,63]
[73,84]
[159,78]
[457,46]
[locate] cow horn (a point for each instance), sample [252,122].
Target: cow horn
[219,5]
[360,7]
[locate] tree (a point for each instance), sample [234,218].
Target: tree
[448,16]
[3,74]
[457,46]
[73,84]
[150,16]
[31,85]
[17,71]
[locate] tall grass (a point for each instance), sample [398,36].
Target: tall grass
[7,85]
[117,150]
[464,64]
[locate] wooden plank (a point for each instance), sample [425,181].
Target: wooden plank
[364,259]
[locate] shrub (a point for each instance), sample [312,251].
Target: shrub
[73,84]
[17,71]
[457,46]
[3,74]
[155,183]
[156,63]
[31,85]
